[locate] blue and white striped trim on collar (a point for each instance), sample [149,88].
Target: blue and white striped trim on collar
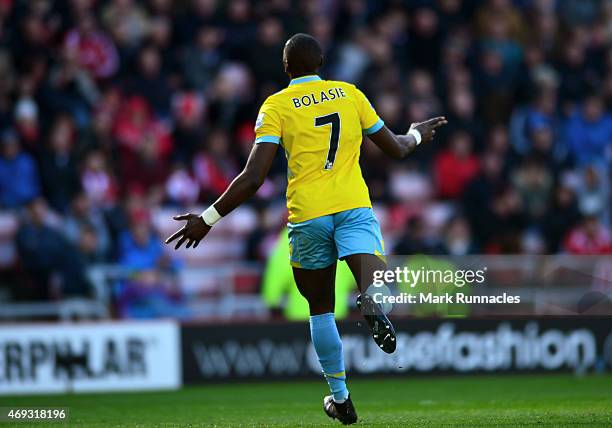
[304,79]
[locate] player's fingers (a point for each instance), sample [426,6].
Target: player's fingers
[437,125]
[180,242]
[196,244]
[190,243]
[437,122]
[431,121]
[182,217]
[175,235]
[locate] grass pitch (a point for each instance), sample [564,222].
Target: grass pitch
[547,400]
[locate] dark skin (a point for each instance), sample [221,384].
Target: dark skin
[317,285]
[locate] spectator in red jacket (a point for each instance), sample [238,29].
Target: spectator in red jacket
[145,143]
[589,238]
[455,166]
[136,124]
[213,167]
[92,49]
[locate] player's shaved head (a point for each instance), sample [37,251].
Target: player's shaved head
[302,55]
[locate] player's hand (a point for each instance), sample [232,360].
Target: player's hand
[428,128]
[193,232]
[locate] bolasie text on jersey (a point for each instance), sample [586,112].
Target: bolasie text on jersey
[316,98]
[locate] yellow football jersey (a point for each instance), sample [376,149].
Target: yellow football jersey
[319,123]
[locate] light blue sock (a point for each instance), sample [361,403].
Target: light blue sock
[328,346]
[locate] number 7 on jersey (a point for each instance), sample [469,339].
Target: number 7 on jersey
[334,137]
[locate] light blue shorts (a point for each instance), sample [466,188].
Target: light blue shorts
[319,242]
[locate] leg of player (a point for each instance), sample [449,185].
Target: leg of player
[318,287]
[363,267]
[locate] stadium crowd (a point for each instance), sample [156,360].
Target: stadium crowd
[112,109]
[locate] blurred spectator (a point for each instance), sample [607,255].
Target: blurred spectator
[593,193]
[139,247]
[86,228]
[458,238]
[19,181]
[455,166]
[535,128]
[188,108]
[478,197]
[498,143]
[145,144]
[231,94]
[421,88]
[201,12]
[562,215]
[507,222]
[240,25]
[91,48]
[136,122]
[58,165]
[589,132]
[501,29]
[100,135]
[151,291]
[181,188]
[502,12]
[417,239]
[26,117]
[149,294]
[425,38]
[589,238]
[579,11]
[389,106]
[265,53]
[462,113]
[572,70]
[533,182]
[151,82]
[410,185]
[97,181]
[213,168]
[126,20]
[55,266]
[202,61]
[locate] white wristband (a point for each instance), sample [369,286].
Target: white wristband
[416,134]
[210,215]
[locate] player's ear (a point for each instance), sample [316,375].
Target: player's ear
[321,61]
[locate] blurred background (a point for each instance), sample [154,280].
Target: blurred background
[116,115]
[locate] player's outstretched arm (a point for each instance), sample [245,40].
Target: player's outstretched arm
[400,146]
[242,188]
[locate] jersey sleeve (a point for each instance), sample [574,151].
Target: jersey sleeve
[268,124]
[370,122]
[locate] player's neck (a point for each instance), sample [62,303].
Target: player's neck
[298,75]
